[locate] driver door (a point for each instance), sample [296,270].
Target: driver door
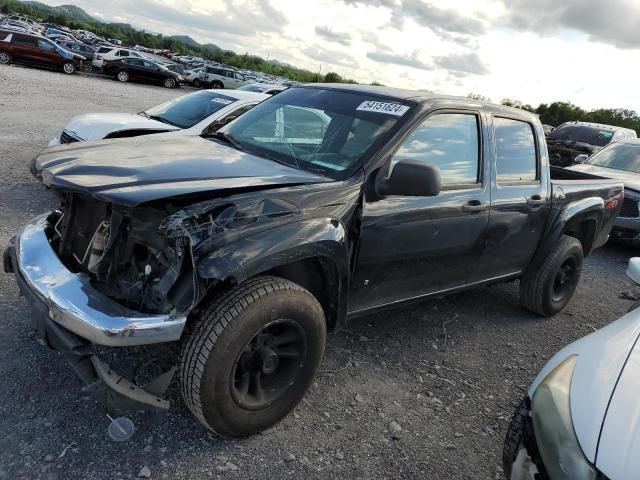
[412,247]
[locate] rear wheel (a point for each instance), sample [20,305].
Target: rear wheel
[197,83]
[122,76]
[87,67]
[252,355]
[5,58]
[217,84]
[169,83]
[549,289]
[69,68]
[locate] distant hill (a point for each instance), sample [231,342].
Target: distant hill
[190,42]
[70,11]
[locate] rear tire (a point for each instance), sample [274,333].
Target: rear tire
[5,58]
[252,355]
[217,85]
[122,76]
[197,83]
[548,290]
[87,67]
[69,68]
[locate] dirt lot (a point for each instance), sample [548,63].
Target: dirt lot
[448,372]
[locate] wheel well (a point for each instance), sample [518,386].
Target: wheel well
[318,276]
[584,230]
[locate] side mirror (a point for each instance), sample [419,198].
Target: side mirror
[633,270]
[411,178]
[581,158]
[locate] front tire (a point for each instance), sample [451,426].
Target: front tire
[252,355]
[122,76]
[69,68]
[548,290]
[5,58]
[197,83]
[217,85]
[169,83]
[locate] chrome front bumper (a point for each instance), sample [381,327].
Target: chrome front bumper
[73,303]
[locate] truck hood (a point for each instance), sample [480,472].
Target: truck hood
[630,179]
[137,170]
[601,359]
[95,126]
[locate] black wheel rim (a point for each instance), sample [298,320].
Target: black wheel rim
[268,364]
[565,280]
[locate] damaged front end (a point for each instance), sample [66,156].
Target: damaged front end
[125,256]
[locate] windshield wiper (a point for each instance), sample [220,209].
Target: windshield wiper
[144,114]
[160,119]
[230,139]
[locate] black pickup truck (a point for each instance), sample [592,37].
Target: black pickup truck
[322,203]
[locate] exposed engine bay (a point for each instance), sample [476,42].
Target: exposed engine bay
[123,253]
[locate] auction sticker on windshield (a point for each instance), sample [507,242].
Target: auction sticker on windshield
[383,107]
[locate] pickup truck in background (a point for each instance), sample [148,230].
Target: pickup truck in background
[320,204]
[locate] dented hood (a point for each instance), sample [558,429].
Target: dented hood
[95,126]
[143,169]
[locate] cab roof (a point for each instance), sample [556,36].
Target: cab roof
[417,96]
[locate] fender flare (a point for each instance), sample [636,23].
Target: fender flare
[587,209]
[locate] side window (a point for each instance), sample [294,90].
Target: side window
[448,141]
[43,44]
[149,65]
[516,157]
[228,74]
[239,77]
[24,40]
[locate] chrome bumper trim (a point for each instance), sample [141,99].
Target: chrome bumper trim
[74,304]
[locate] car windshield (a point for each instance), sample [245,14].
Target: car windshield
[619,156]
[315,129]
[186,111]
[583,134]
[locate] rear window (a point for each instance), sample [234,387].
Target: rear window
[583,134]
[516,158]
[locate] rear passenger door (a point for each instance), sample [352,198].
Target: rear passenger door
[415,246]
[519,197]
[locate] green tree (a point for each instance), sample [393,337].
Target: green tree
[332,77]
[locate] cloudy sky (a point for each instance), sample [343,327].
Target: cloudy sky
[584,51]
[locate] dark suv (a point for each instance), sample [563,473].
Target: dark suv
[38,51]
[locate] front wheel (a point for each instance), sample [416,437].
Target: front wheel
[217,85]
[197,83]
[169,83]
[122,76]
[549,289]
[5,58]
[252,355]
[69,68]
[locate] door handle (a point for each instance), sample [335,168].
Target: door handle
[475,206]
[536,201]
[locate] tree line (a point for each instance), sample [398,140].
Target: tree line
[132,36]
[557,113]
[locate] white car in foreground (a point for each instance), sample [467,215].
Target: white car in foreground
[580,419]
[192,114]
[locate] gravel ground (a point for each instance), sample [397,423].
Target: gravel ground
[420,392]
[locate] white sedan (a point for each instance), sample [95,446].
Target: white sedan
[579,420]
[192,114]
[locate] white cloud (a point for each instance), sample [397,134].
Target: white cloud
[574,50]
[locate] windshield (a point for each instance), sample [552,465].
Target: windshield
[314,129]
[619,156]
[583,134]
[186,111]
